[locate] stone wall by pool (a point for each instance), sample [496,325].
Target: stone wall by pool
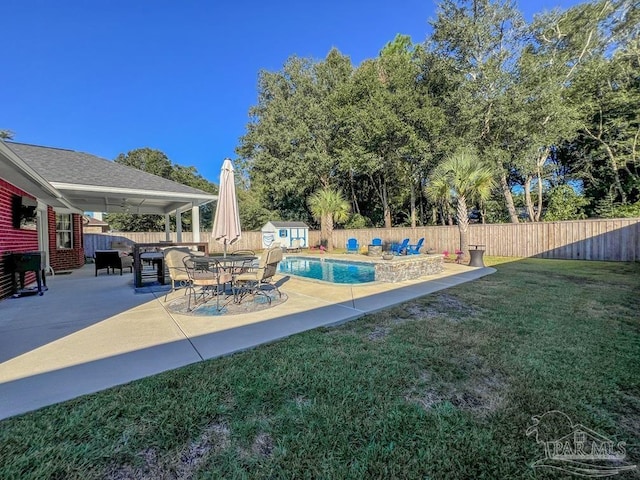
[408,267]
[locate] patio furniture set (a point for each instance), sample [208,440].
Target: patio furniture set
[227,278]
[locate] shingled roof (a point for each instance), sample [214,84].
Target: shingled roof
[91,183]
[58,165]
[279,224]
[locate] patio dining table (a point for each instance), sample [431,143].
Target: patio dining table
[237,263]
[232,260]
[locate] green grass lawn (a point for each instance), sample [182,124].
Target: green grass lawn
[440,387]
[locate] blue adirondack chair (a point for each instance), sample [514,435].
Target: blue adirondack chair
[352,245]
[400,248]
[415,249]
[376,242]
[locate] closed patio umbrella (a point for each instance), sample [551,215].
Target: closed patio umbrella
[226,225]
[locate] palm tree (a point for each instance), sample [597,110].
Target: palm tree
[328,206]
[463,178]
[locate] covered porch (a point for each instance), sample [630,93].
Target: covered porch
[64,184]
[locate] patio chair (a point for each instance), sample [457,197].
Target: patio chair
[415,249]
[205,282]
[173,261]
[352,245]
[112,259]
[376,242]
[400,248]
[254,282]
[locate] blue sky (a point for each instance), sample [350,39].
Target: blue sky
[178,76]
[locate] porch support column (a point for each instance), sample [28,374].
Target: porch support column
[195,222]
[178,226]
[42,225]
[167,227]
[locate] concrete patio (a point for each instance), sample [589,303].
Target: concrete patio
[88,333]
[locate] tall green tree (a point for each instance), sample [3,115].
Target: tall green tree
[421,118]
[371,134]
[328,206]
[388,123]
[607,90]
[462,179]
[563,45]
[610,131]
[479,42]
[290,144]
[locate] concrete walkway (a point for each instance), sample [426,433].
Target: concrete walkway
[90,333]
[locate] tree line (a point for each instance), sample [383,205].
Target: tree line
[547,112]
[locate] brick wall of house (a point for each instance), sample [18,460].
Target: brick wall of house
[66,258]
[12,239]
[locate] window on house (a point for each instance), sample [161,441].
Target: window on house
[64,231]
[283,233]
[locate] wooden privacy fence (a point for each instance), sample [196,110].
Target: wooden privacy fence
[597,239]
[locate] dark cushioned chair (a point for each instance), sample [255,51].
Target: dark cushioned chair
[112,259]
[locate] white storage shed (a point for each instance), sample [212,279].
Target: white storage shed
[285,233]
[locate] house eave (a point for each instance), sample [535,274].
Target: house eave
[127,200]
[15,171]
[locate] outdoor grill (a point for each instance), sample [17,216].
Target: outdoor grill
[22,262]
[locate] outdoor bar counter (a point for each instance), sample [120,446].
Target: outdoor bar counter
[154,253]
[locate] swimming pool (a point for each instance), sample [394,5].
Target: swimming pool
[328,270]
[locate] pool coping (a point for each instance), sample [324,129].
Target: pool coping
[361,258]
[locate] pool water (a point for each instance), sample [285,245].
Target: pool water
[334,271]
